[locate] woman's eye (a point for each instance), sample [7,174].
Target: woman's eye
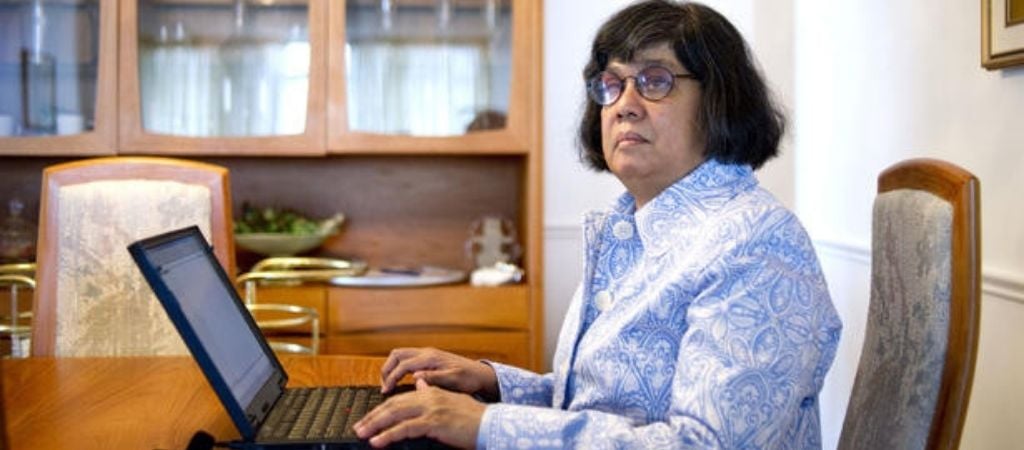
[611,82]
[657,81]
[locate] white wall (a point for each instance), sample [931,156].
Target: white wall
[880,81]
[866,83]
[569,188]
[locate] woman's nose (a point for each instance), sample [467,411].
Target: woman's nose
[630,104]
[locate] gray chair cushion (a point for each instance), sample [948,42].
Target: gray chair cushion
[896,388]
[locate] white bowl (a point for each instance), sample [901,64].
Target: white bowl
[279,244]
[289,244]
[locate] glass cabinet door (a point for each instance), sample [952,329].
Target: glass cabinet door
[430,75]
[56,66]
[427,68]
[215,74]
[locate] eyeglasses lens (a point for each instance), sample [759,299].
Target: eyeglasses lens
[605,88]
[653,83]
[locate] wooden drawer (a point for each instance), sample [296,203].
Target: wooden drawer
[510,347]
[495,308]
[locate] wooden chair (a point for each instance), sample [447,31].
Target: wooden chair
[91,299]
[913,382]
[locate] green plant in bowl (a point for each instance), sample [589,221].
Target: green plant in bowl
[272,231]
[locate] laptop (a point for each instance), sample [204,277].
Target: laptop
[236,359]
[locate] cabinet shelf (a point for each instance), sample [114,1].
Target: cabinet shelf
[87,70]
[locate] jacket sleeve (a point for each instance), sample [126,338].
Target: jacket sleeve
[522,387]
[761,334]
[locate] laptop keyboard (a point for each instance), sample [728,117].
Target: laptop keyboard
[319,413]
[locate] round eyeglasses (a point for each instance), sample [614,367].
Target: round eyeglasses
[653,83]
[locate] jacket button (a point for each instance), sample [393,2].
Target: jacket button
[603,300]
[623,230]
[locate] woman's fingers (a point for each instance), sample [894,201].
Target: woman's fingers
[385,415]
[400,362]
[447,379]
[409,429]
[386,382]
[439,368]
[391,362]
[429,411]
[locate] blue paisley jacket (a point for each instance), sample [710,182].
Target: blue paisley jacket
[702,321]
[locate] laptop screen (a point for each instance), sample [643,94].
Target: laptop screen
[216,327]
[210,309]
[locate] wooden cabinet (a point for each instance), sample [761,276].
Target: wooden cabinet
[500,346]
[492,323]
[167,83]
[58,77]
[507,44]
[222,77]
[496,57]
[245,77]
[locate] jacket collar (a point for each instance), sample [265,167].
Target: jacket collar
[677,209]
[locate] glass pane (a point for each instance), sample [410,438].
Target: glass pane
[49,59]
[223,68]
[427,67]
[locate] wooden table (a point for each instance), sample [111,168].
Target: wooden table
[136,403]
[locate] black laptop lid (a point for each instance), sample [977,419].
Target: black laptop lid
[188,280]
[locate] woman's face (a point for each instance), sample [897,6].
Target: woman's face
[650,144]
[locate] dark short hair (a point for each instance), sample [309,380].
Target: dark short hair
[740,121]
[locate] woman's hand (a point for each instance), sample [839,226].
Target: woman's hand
[448,417]
[443,369]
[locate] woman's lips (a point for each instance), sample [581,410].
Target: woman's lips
[629,138]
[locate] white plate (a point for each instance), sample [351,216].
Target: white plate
[425,276]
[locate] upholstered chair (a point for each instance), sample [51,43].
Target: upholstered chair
[913,382]
[91,299]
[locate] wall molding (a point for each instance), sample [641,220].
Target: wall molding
[995,282]
[856,253]
[563,232]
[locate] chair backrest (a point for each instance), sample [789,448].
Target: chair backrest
[914,379]
[90,298]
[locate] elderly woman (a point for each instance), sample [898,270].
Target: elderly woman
[703,319]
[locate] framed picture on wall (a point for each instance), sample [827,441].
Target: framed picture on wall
[1002,33]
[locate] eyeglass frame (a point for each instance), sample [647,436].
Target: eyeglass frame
[637,83]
